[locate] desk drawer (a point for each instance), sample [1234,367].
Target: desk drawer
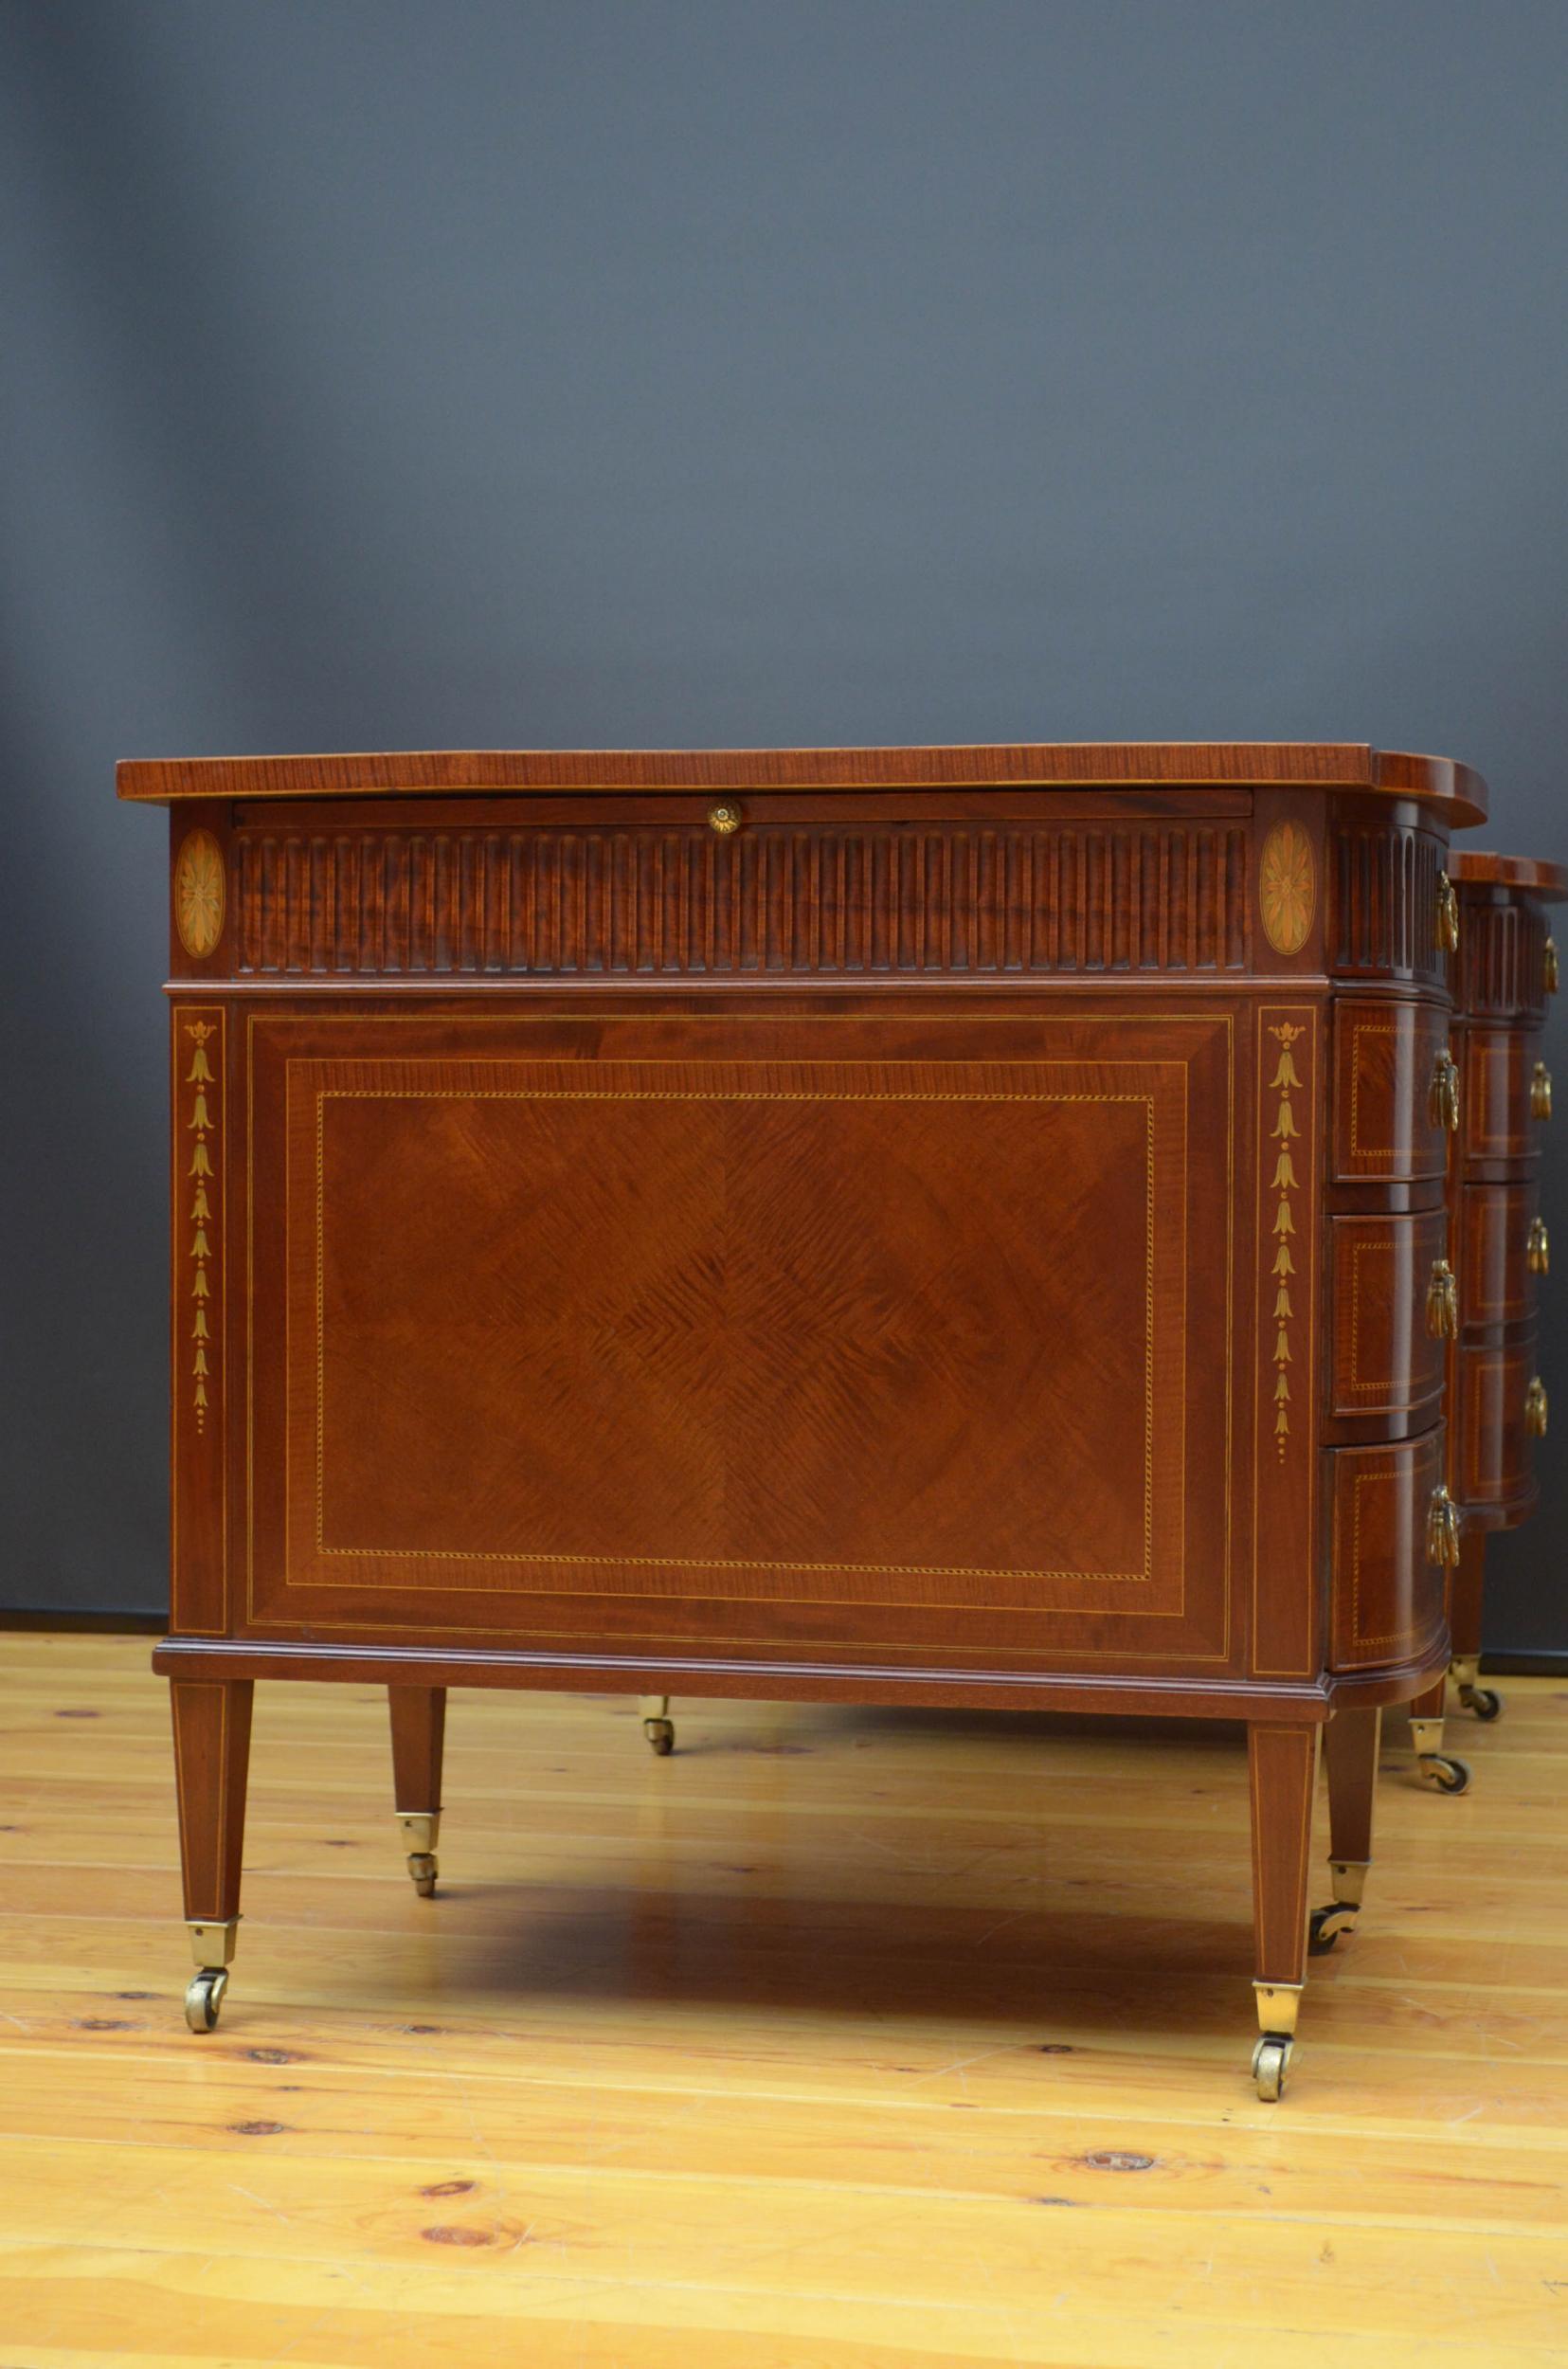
[1491,1402]
[1498,1077]
[1383,1357]
[1388,1597]
[1496,1227]
[1387,1124]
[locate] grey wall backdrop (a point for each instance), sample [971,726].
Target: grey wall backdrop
[380,374]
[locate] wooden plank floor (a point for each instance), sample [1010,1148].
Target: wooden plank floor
[840,2038]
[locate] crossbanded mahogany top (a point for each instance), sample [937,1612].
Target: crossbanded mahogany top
[1069,765]
[1479,867]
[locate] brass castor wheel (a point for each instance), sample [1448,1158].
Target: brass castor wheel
[660,1734]
[203,1997]
[1443,1773]
[422,1872]
[1326,1925]
[1271,2063]
[1485,1702]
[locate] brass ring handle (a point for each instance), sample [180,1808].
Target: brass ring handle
[1442,1528]
[724,819]
[1443,1302]
[1447,914]
[1443,1095]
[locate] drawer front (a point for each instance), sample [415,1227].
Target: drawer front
[1495,1283]
[1494,1441]
[1384,1127]
[1388,1598]
[1495,1095]
[1383,1357]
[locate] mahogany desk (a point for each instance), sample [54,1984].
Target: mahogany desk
[1503,971]
[908,1225]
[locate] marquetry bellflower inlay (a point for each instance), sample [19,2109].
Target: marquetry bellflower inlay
[1284,1184]
[200,1174]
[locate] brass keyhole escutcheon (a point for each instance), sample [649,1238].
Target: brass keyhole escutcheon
[724,819]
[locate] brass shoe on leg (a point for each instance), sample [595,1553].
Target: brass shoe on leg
[1278,2004]
[419,1829]
[657,1726]
[212,1947]
[1339,1917]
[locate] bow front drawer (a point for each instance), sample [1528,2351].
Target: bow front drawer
[1390,1123]
[1388,1593]
[1390,1311]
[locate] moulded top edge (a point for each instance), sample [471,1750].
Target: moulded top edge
[1479,867]
[1075,764]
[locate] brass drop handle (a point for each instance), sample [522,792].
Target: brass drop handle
[725,819]
[1541,1092]
[1537,1248]
[1443,1097]
[1447,914]
[1442,1527]
[1535,1409]
[1549,967]
[1443,1302]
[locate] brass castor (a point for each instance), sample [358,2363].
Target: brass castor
[204,1996]
[420,1829]
[1443,1772]
[1270,2064]
[1485,1702]
[1326,1926]
[657,1726]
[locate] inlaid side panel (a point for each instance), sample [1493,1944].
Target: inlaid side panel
[1385,1359]
[198,1103]
[774,899]
[1388,1596]
[1388,1125]
[844,1336]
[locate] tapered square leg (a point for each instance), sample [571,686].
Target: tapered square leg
[1466,1591]
[211,1765]
[419,1737]
[1282,1766]
[1350,1748]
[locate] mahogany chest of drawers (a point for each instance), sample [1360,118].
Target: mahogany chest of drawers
[918,1225]
[1504,970]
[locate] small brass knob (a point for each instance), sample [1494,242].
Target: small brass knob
[1442,1527]
[1447,914]
[1443,1095]
[1549,965]
[1541,1092]
[1443,1302]
[1535,1409]
[1537,1249]
[725,819]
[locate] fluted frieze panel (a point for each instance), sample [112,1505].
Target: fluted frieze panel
[772,900]
[1384,920]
